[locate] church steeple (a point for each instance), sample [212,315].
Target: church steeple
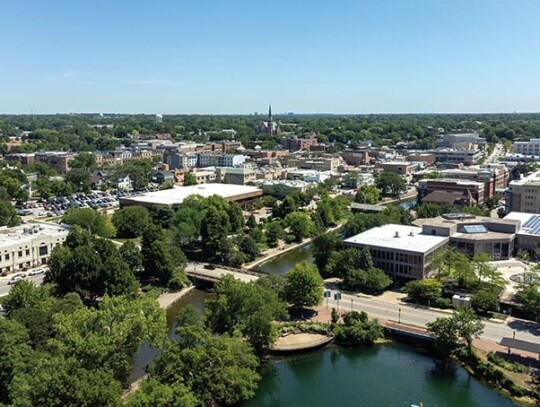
[269,113]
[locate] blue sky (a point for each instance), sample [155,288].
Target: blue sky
[236,56]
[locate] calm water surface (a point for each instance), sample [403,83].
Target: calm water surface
[385,375]
[282,264]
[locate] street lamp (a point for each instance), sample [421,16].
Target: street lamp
[399,315]
[351,305]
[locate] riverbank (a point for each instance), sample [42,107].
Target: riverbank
[166,300]
[280,250]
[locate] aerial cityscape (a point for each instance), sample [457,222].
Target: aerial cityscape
[243,204]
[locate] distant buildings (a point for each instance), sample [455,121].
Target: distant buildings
[494,176]
[461,140]
[325,163]
[449,191]
[59,160]
[270,126]
[295,143]
[456,156]
[531,147]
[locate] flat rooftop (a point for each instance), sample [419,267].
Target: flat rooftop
[410,238]
[10,235]
[176,195]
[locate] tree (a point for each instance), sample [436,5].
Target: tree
[467,325]
[376,281]
[444,334]
[108,337]
[236,217]
[485,301]
[131,221]
[80,179]
[368,194]
[429,210]
[304,286]
[274,232]
[391,184]
[90,219]
[15,354]
[225,366]
[167,184]
[453,264]
[131,254]
[160,259]
[251,222]
[161,215]
[152,393]
[26,294]
[424,291]
[84,161]
[249,248]
[324,245]
[214,229]
[529,297]
[8,215]
[189,179]
[299,224]
[248,307]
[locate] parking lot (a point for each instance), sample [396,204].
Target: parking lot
[57,206]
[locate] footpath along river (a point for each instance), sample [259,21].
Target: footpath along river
[384,375]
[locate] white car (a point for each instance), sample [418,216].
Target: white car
[35,272]
[14,280]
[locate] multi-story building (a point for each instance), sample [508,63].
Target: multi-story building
[472,234]
[427,158]
[221,160]
[463,140]
[454,156]
[531,147]
[295,143]
[399,250]
[402,168]
[328,163]
[356,157]
[23,158]
[470,193]
[182,160]
[494,177]
[22,247]
[236,176]
[59,160]
[523,195]
[528,236]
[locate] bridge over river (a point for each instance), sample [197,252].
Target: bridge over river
[202,272]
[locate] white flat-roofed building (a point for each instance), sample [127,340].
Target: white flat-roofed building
[27,246]
[175,196]
[400,250]
[531,147]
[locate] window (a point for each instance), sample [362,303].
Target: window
[7,256]
[28,252]
[43,250]
[20,253]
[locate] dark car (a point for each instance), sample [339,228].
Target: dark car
[209,266]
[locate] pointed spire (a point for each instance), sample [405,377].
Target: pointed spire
[269,112]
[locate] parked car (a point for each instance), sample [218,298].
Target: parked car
[21,275]
[209,266]
[14,280]
[37,271]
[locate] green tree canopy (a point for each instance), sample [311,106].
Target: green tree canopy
[304,286]
[131,221]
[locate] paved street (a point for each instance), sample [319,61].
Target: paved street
[4,287]
[420,316]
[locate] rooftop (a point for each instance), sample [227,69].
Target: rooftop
[26,232]
[409,238]
[176,195]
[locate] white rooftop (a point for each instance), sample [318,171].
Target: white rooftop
[10,235]
[176,195]
[410,238]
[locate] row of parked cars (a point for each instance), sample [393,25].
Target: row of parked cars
[57,206]
[21,276]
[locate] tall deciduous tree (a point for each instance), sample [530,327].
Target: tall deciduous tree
[304,286]
[131,221]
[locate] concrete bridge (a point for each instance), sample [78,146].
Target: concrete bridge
[197,271]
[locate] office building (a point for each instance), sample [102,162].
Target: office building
[523,195]
[531,147]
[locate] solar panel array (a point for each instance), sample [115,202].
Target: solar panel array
[473,229]
[534,224]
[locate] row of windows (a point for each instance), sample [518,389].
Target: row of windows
[43,250]
[398,257]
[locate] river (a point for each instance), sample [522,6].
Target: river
[286,261]
[384,375]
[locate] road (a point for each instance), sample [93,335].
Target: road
[420,316]
[497,152]
[5,287]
